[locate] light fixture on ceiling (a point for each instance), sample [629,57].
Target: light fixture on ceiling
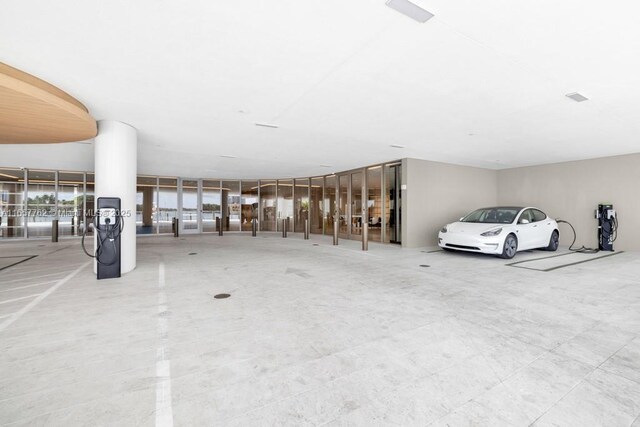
[397,146]
[325,166]
[227,156]
[577,97]
[411,10]
[267,125]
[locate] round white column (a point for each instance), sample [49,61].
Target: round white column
[116,169]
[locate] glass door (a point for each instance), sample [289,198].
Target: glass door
[356,206]
[211,205]
[343,206]
[190,198]
[393,203]
[330,204]
[250,205]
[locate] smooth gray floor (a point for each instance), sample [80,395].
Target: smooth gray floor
[315,334]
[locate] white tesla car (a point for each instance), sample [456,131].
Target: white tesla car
[501,231]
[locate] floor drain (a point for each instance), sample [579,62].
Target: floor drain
[315,244]
[424,265]
[193,253]
[221,296]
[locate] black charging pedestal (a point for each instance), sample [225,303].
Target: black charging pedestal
[606,226]
[108,226]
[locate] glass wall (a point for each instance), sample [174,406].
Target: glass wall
[268,205]
[211,205]
[41,202]
[231,205]
[146,207]
[301,203]
[330,204]
[30,199]
[89,202]
[316,205]
[374,203]
[285,203]
[70,203]
[167,204]
[249,203]
[12,203]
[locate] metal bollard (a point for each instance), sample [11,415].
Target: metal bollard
[284,228]
[306,229]
[176,229]
[335,233]
[54,230]
[365,236]
[219,225]
[254,227]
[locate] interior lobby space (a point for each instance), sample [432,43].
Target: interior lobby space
[352,213]
[315,334]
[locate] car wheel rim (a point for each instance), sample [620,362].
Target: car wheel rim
[511,247]
[555,240]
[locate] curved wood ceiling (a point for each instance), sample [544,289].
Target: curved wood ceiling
[33,111]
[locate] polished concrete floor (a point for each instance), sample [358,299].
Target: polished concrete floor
[314,334]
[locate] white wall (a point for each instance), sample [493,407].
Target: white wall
[573,190]
[439,193]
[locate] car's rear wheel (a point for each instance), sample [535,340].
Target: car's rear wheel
[554,241]
[510,247]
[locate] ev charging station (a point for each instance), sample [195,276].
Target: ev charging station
[607,226]
[108,228]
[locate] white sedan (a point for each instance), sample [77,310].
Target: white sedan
[501,231]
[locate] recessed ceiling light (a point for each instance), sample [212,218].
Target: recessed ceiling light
[576,97]
[227,156]
[325,166]
[267,125]
[413,11]
[397,146]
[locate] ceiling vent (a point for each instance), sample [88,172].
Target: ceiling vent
[576,97]
[411,10]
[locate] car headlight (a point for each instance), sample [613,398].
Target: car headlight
[492,232]
[444,229]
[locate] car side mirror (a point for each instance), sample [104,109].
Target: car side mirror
[524,221]
[461,218]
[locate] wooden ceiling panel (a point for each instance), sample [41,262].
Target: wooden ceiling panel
[34,112]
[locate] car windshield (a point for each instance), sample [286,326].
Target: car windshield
[492,215]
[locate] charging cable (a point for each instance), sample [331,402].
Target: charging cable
[110,232]
[582,249]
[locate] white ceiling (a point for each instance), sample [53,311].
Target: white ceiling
[483,83]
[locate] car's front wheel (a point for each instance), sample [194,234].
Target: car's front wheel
[510,247]
[554,241]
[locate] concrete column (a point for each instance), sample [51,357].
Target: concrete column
[116,166]
[147,206]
